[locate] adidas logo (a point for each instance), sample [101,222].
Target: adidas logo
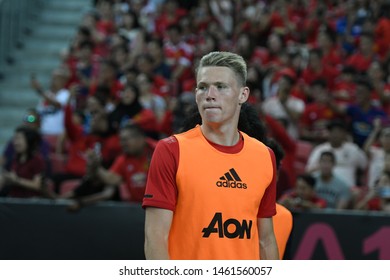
[231,180]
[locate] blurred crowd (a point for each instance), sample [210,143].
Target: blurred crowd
[318,71]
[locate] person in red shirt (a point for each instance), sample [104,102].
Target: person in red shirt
[317,70]
[171,13]
[331,52]
[365,54]
[303,196]
[343,92]
[378,197]
[25,178]
[107,77]
[130,110]
[316,116]
[179,56]
[98,137]
[382,32]
[287,172]
[129,169]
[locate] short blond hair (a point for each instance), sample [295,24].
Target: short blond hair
[226,59]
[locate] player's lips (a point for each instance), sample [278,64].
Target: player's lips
[210,107]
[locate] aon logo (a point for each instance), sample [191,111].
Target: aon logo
[230,228]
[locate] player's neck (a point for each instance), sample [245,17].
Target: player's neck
[225,136]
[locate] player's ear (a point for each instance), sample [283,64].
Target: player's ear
[244,95]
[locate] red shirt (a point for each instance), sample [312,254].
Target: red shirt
[288,145]
[327,72]
[321,203]
[27,170]
[316,116]
[116,89]
[80,143]
[344,92]
[359,61]
[382,36]
[133,171]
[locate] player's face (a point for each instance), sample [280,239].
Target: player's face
[218,94]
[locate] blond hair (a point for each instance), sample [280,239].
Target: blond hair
[226,59]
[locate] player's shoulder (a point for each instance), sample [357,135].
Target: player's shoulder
[167,144]
[171,140]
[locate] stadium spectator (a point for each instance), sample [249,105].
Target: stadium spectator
[316,70]
[329,186]
[362,113]
[381,88]
[160,65]
[365,55]
[108,77]
[31,120]
[317,115]
[130,169]
[284,107]
[303,196]
[99,137]
[179,56]
[350,159]
[26,175]
[377,148]
[378,197]
[130,110]
[52,101]
[148,98]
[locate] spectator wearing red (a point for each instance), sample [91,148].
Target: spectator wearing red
[25,177]
[108,76]
[133,165]
[179,56]
[171,14]
[99,138]
[382,32]
[128,172]
[313,22]
[130,110]
[317,70]
[377,198]
[303,196]
[331,51]
[285,107]
[269,56]
[362,58]
[144,65]
[381,88]
[289,146]
[148,98]
[343,92]
[317,115]
[100,32]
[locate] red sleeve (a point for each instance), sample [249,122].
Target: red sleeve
[73,131]
[38,166]
[280,134]
[268,203]
[161,189]
[117,166]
